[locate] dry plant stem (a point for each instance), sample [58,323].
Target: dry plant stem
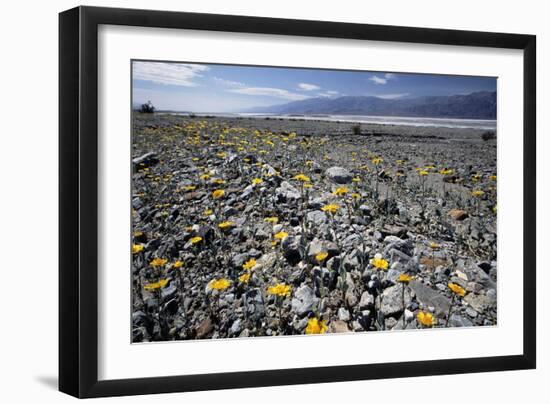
[403,300]
[450,310]
[158,305]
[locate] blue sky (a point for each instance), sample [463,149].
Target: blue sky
[230,88]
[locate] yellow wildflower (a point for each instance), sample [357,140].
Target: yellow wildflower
[219,284]
[225,225]
[356,179]
[426,319]
[434,246]
[195,240]
[379,263]
[332,208]
[281,235]
[190,187]
[321,256]
[177,264]
[279,289]
[422,173]
[207,212]
[158,262]
[377,160]
[478,193]
[136,248]
[314,326]
[459,290]
[302,177]
[273,220]
[404,278]
[205,177]
[218,193]
[257,181]
[156,285]
[244,278]
[251,263]
[340,191]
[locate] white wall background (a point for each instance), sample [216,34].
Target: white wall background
[28,198]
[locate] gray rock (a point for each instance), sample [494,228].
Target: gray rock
[316,217]
[261,234]
[168,293]
[479,303]
[352,260]
[351,299]
[403,249]
[491,294]
[144,161]
[136,203]
[343,314]
[300,325]
[238,260]
[139,318]
[287,192]
[390,322]
[267,261]
[317,245]
[431,298]
[367,300]
[393,273]
[247,192]
[270,170]
[236,327]
[352,240]
[253,253]
[303,301]
[392,301]
[339,175]
[471,312]
[457,320]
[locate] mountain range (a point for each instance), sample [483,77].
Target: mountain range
[478,105]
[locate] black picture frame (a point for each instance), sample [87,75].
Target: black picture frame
[78,201]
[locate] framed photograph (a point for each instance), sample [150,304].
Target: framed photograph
[250,201]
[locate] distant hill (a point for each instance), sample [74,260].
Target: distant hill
[478,105]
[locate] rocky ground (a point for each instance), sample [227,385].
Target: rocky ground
[254,227]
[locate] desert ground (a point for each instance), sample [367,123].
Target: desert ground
[248,227]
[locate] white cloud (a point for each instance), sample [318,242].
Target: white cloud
[328,94]
[175,74]
[382,80]
[269,92]
[308,87]
[378,80]
[392,96]
[229,83]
